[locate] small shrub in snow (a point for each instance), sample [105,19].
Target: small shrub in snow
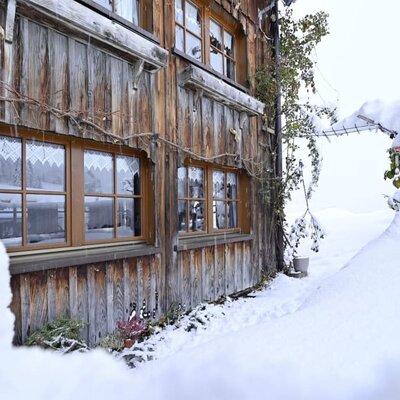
[133,328]
[62,335]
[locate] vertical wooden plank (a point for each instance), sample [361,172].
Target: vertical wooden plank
[127,100]
[152,285]
[207,124]
[230,268]
[51,295]
[146,282]
[58,76]
[230,138]
[24,56]
[247,264]
[97,85]
[130,286]
[186,277]
[139,283]
[25,306]
[219,131]
[118,294]
[84,308]
[15,307]
[62,293]
[219,277]
[184,108]
[38,299]
[159,287]
[145,112]
[73,292]
[196,268]
[91,303]
[116,95]
[238,267]
[78,81]
[101,301]
[209,292]
[110,296]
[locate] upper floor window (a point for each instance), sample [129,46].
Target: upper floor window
[208,199]
[205,38]
[127,9]
[57,193]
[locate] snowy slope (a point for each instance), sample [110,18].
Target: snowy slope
[332,335]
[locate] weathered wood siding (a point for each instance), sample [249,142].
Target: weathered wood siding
[98,294]
[65,82]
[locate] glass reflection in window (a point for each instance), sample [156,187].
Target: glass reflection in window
[10,163]
[45,166]
[45,218]
[11,219]
[99,172]
[128,178]
[99,218]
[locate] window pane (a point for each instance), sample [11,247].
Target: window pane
[99,218]
[193,46]
[179,11]
[228,44]
[218,184]
[196,182]
[127,9]
[179,40]
[182,182]
[182,215]
[232,214]
[10,163]
[231,186]
[99,172]
[215,35]
[193,19]
[129,221]
[45,218]
[10,219]
[229,67]
[105,3]
[216,60]
[128,176]
[45,166]
[197,216]
[219,215]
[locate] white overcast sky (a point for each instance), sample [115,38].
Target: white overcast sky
[358,61]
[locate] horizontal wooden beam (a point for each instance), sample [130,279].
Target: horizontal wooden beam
[73,257]
[197,79]
[92,24]
[211,240]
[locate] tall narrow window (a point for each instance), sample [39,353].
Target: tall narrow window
[222,55]
[32,192]
[225,200]
[191,199]
[188,29]
[113,196]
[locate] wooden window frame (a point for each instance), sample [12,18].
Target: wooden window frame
[145,14]
[74,192]
[242,214]
[233,28]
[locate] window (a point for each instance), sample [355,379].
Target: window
[195,31]
[59,193]
[221,50]
[207,199]
[127,9]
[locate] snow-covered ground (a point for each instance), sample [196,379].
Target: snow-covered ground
[332,335]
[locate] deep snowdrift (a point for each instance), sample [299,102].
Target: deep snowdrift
[336,341]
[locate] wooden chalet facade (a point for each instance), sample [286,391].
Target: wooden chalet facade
[125,129]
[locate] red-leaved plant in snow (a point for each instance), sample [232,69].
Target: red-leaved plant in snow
[131,329]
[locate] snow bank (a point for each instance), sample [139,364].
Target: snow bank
[6,317]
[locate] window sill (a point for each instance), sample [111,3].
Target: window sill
[23,262]
[86,21]
[211,240]
[214,87]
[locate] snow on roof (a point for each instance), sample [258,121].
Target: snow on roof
[387,114]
